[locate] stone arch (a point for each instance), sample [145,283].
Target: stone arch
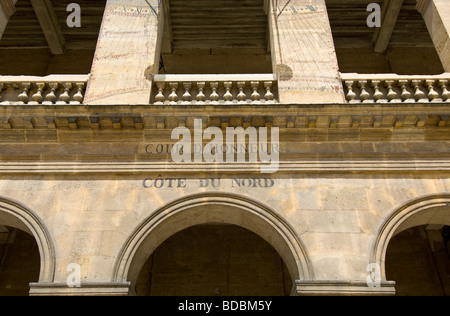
[16,215]
[431,209]
[211,208]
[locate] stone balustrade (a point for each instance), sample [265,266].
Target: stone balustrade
[383,88]
[54,89]
[227,89]
[215,89]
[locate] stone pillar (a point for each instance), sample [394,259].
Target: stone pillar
[436,13]
[303,53]
[7,9]
[127,54]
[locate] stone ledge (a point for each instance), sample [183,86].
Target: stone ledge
[170,122]
[283,116]
[341,288]
[368,166]
[86,289]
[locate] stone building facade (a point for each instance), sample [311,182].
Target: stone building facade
[92,201]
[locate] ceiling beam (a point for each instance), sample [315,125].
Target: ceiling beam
[49,23]
[390,11]
[7,9]
[167,42]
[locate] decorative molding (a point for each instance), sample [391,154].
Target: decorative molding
[357,119]
[313,166]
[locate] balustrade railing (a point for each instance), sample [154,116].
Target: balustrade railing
[227,89]
[383,88]
[54,89]
[215,89]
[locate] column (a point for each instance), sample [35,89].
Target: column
[7,9]
[127,54]
[436,13]
[303,53]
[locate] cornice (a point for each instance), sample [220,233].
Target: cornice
[312,116]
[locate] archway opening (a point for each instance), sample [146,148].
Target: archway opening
[412,247]
[211,209]
[214,260]
[419,262]
[27,253]
[19,261]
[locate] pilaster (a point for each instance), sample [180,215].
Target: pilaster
[435,13]
[303,54]
[127,54]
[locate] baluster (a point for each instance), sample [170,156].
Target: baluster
[256,97]
[37,97]
[228,96]
[241,95]
[187,97]
[1,90]
[391,95]
[159,98]
[269,97]
[51,96]
[418,94]
[432,94]
[201,97]
[351,96]
[173,97]
[405,95]
[214,97]
[445,92]
[364,95]
[78,97]
[377,95]
[64,98]
[23,97]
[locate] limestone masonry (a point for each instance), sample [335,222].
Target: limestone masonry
[222,148]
